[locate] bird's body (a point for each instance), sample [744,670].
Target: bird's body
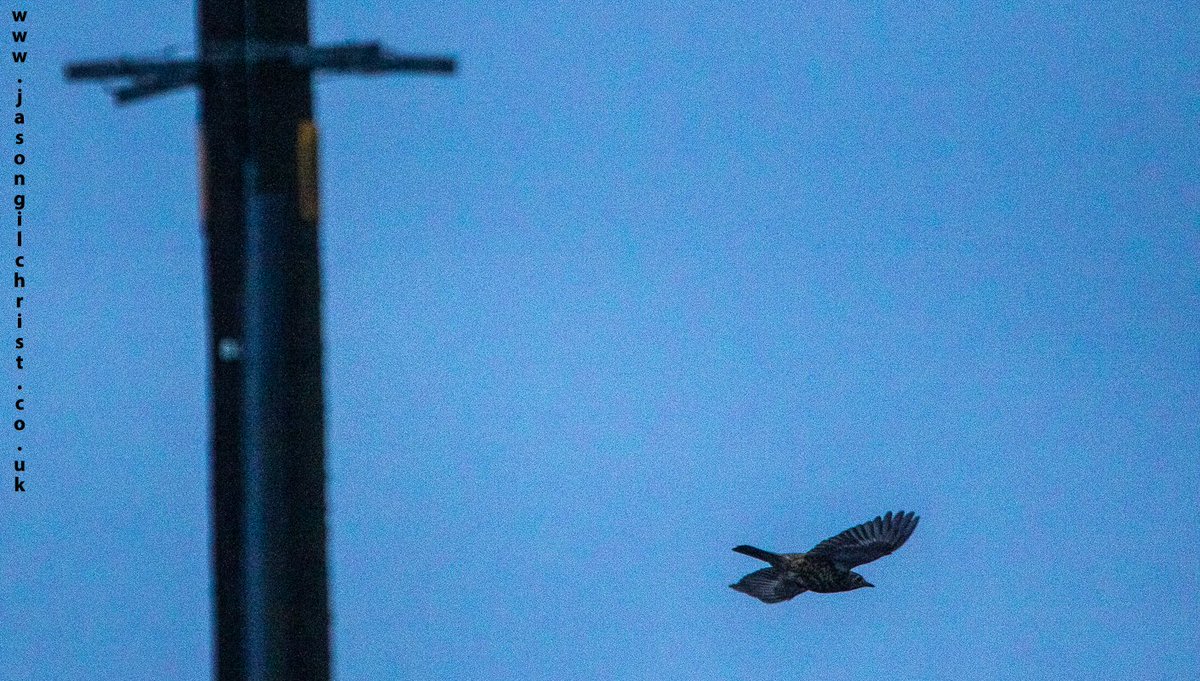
[826,568]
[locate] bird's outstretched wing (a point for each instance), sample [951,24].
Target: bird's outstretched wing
[864,543]
[768,586]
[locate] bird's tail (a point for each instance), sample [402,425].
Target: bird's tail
[753,552]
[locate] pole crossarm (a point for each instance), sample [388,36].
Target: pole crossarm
[149,77]
[366,58]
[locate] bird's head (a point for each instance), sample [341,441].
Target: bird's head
[857,581]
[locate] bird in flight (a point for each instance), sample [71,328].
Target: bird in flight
[827,567]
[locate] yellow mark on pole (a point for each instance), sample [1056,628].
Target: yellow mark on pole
[202,157]
[306,170]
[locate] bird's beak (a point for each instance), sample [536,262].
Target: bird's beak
[869,584]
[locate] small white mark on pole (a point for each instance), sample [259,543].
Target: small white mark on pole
[229,350]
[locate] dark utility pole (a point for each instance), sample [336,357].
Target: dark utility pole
[259,204]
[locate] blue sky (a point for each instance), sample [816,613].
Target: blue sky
[638,285]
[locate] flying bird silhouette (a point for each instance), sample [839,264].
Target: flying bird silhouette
[827,567]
